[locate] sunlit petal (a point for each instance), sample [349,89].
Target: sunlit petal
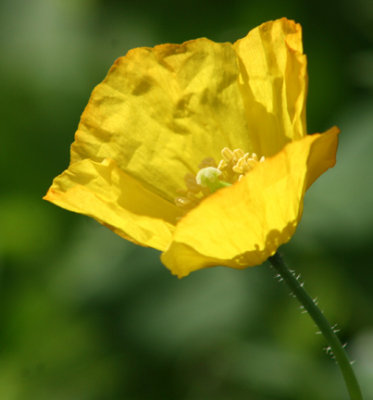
[273,84]
[244,224]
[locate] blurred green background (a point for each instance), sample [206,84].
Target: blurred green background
[86,315]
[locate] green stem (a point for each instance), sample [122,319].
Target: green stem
[339,352]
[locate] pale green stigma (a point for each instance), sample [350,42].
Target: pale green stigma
[209,177]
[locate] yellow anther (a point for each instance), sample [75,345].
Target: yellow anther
[191,184]
[207,162]
[182,202]
[250,164]
[222,165]
[191,196]
[237,169]
[237,154]
[227,154]
[240,166]
[189,177]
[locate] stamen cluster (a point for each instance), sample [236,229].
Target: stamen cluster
[233,165]
[236,163]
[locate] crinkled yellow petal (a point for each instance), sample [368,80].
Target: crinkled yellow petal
[273,84]
[161,111]
[106,193]
[244,224]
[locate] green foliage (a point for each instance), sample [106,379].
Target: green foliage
[86,315]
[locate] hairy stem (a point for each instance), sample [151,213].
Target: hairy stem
[315,313]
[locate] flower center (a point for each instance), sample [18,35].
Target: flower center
[210,177]
[213,176]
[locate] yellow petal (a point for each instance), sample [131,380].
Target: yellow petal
[273,84]
[161,111]
[244,224]
[106,193]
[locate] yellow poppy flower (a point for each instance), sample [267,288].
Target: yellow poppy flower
[163,113]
